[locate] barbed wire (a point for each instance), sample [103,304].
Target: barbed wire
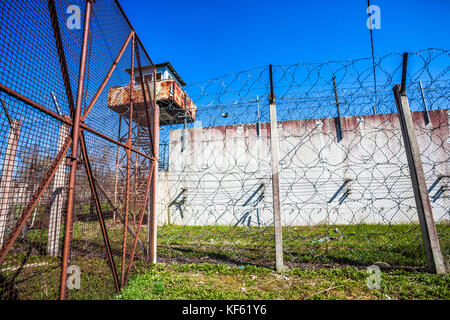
[346,195]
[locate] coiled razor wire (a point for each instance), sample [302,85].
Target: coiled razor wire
[346,197]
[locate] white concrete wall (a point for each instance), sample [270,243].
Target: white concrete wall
[226,174]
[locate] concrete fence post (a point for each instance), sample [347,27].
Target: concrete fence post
[275,154]
[6,184]
[153,208]
[58,198]
[427,226]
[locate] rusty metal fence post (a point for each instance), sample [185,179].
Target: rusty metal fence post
[74,157]
[427,225]
[128,154]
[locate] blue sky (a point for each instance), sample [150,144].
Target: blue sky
[208,39]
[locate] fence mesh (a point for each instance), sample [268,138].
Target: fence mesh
[41,47]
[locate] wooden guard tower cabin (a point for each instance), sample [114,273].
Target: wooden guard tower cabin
[175,105]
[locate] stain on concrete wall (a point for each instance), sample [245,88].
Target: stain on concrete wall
[222,174]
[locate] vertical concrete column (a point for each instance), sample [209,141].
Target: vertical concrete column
[275,153]
[153,230]
[427,226]
[58,198]
[6,187]
[153,205]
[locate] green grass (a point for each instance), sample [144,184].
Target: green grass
[43,282]
[329,249]
[361,245]
[356,245]
[217,282]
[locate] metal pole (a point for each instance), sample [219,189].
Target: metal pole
[154,139]
[427,226]
[427,116]
[183,135]
[62,58]
[56,103]
[6,112]
[74,158]
[373,59]
[258,127]
[108,76]
[141,219]
[136,174]
[404,69]
[116,178]
[128,152]
[101,218]
[275,152]
[339,121]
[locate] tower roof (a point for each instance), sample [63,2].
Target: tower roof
[161,65]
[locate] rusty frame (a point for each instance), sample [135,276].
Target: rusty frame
[98,206]
[77,141]
[108,76]
[128,153]
[152,227]
[66,77]
[5,110]
[141,219]
[74,158]
[69,122]
[153,101]
[61,54]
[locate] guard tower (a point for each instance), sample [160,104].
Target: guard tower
[175,106]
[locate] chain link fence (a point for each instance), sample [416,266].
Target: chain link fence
[71,223]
